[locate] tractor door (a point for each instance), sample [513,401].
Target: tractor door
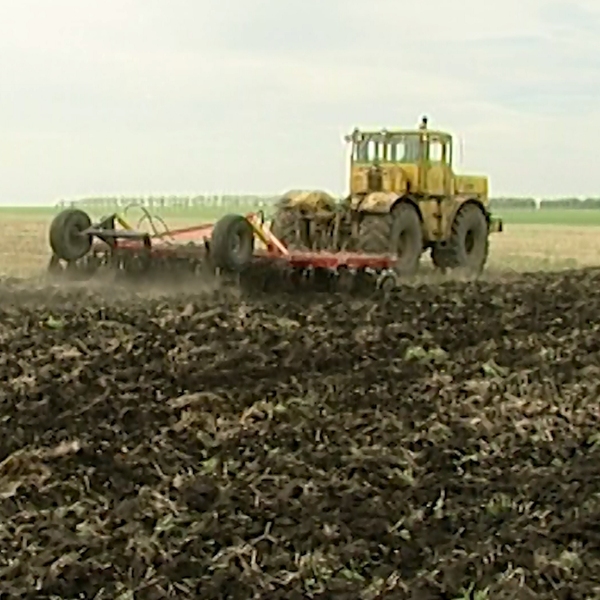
[437,166]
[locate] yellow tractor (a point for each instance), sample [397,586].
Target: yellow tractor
[404,199]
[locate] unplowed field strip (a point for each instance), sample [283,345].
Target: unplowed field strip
[24,248]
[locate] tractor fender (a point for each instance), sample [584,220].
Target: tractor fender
[459,203]
[375,202]
[381,203]
[307,200]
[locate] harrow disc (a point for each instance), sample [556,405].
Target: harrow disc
[259,277]
[276,277]
[128,267]
[75,270]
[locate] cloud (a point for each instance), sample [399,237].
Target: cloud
[255,95]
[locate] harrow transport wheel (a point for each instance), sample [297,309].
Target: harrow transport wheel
[232,244]
[66,238]
[398,232]
[469,242]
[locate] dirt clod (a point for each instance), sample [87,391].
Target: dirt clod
[442,443]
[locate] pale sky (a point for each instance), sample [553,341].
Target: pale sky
[189,96]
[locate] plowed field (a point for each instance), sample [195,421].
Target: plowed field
[440,443]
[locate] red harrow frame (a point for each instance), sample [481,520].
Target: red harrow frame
[226,249]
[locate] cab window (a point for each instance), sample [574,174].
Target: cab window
[436,151]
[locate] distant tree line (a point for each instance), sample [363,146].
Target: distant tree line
[170,202]
[248,200]
[540,203]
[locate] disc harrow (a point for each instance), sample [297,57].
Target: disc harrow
[235,251]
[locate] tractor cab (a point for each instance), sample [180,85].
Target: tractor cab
[417,161]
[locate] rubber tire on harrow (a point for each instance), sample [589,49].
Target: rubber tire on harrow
[285,226]
[381,234]
[458,252]
[223,253]
[66,240]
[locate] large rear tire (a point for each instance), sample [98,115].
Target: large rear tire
[286,226]
[232,244]
[468,246]
[374,234]
[66,238]
[398,232]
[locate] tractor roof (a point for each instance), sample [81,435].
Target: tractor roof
[387,135]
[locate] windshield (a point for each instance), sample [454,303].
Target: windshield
[373,148]
[404,148]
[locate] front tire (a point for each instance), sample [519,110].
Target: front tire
[468,246]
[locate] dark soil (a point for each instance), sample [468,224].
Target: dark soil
[441,443]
